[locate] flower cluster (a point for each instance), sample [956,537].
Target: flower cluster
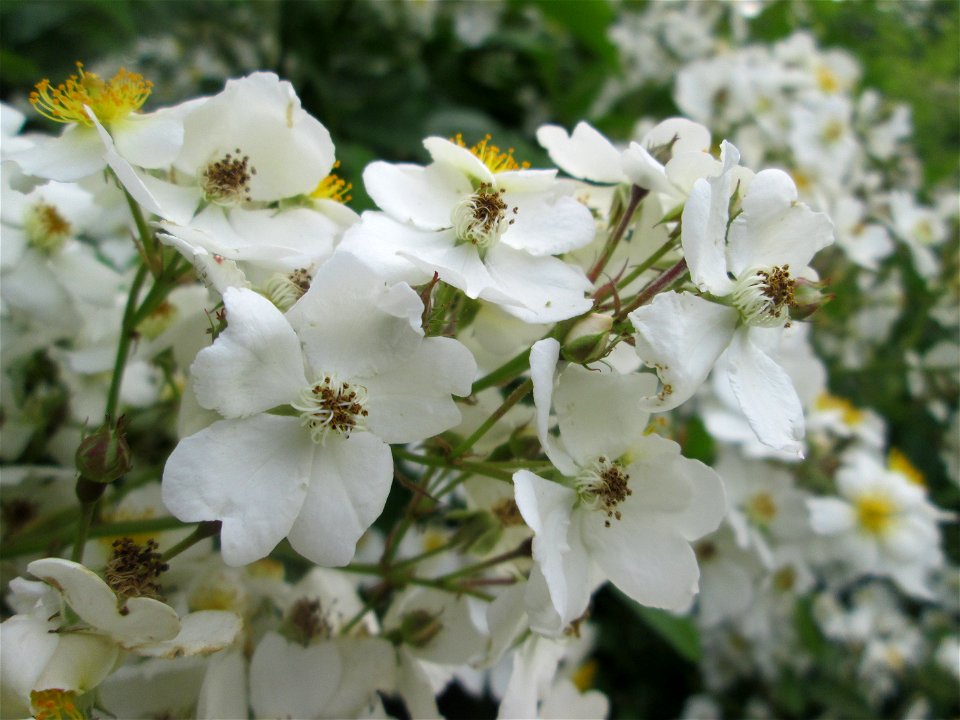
[343,460]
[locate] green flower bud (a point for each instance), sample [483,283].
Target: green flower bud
[104,455]
[588,340]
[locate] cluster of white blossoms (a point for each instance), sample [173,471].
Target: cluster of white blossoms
[510,355]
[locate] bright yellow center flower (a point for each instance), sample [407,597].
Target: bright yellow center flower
[850,415]
[875,513]
[110,100]
[55,705]
[491,156]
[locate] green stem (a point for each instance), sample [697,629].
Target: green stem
[509,370]
[512,399]
[648,263]
[83,528]
[123,346]
[491,469]
[203,531]
[522,550]
[146,236]
[447,587]
[636,195]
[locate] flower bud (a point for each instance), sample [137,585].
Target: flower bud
[808,297]
[104,455]
[588,340]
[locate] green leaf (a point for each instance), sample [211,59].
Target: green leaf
[679,632]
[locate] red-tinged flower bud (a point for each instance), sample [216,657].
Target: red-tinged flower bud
[104,455]
[588,340]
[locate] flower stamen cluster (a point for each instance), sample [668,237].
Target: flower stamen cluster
[603,486]
[227,181]
[764,296]
[332,406]
[132,569]
[55,704]
[285,290]
[110,100]
[491,156]
[306,622]
[481,218]
[333,187]
[46,229]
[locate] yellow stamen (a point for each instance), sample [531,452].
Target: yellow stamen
[333,187]
[584,675]
[491,156]
[110,100]
[875,513]
[761,509]
[55,704]
[827,80]
[848,413]
[898,463]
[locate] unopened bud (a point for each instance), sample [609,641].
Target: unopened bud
[588,340]
[104,455]
[808,298]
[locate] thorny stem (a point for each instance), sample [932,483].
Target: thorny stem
[637,194]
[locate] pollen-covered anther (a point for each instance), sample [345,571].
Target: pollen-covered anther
[284,289]
[764,297]
[483,217]
[46,229]
[109,100]
[132,570]
[55,704]
[227,181]
[332,406]
[491,156]
[603,486]
[306,622]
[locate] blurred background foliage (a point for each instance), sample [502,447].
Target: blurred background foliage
[383,74]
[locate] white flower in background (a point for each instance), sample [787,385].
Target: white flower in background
[484,223]
[729,576]
[630,505]
[666,161]
[753,265]
[921,228]
[865,243]
[351,371]
[46,269]
[792,350]
[92,107]
[765,509]
[882,523]
[535,690]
